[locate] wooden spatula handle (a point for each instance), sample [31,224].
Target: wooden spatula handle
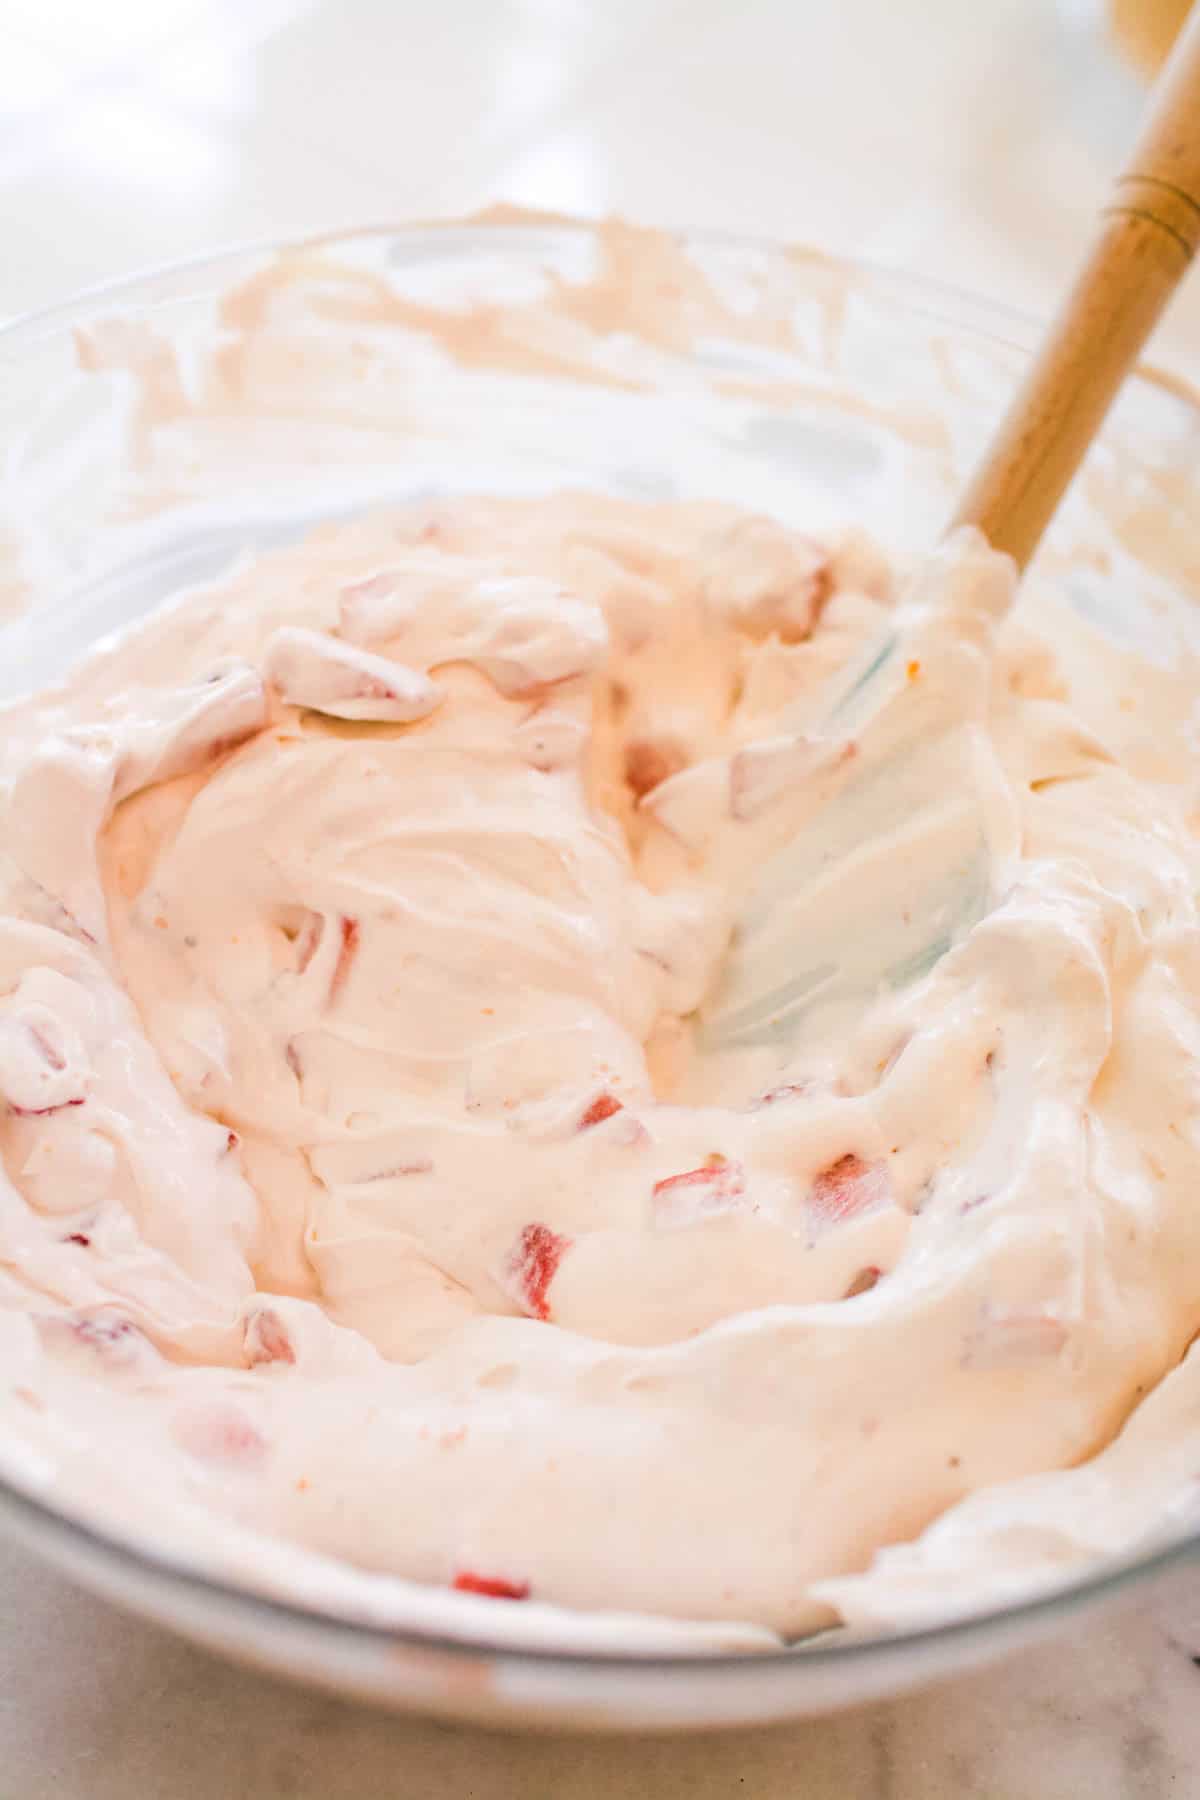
[1145,239]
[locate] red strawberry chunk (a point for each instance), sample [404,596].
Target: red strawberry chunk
[66,921]
[532,1266]
[347,951]
[847,1189]
[1012,1340]
[43,1112]
[267,1340]
[773,1095]
[495,1586]
[107,1335]
[648,764]
[715,1187]
[220,1433]
[103,1331]
[602,1107]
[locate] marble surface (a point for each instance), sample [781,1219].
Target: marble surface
[95,1706]
[972,144]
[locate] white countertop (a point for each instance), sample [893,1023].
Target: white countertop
[974,148]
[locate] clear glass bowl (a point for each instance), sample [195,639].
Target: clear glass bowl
[644,365]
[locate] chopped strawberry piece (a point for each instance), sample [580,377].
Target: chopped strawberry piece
[495,1586]
[267,1340]
[101,1330]
[108,1335]
[602,1107]
[648,764]
[715,1187]
[847,1189]
[532,1266]
[43,1112]
[78,1237]
[65,920]
[1011,1340]
[788,1091]
[347,951]
[220,1434]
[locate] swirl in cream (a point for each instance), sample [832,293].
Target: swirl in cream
[374,1177]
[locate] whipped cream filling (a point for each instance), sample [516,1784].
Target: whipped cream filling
[387,1172]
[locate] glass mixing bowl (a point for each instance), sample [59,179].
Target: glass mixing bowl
[151,432]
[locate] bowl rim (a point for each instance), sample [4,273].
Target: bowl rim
[37,1519]
[508,220]
[46,1526]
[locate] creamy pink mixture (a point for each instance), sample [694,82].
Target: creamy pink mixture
[446,1129]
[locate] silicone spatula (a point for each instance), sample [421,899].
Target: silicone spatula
[819,925]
